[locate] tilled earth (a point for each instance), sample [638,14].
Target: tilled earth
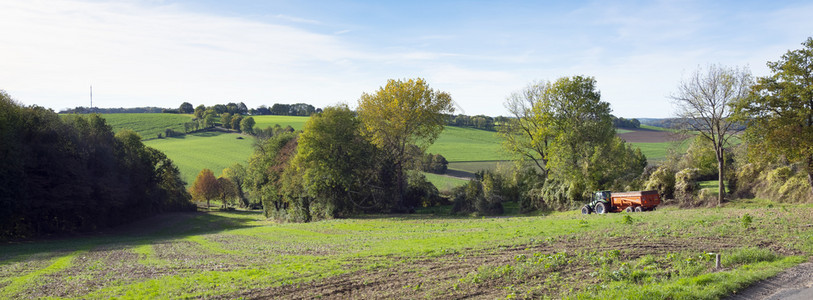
[436,278]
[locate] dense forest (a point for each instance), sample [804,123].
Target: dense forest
[68,174]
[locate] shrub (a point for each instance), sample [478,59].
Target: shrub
[481,197]
[686,186]
[662,180]
[420,192]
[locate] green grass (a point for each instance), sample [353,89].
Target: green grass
[223,254]
[261,122]
[213,150]
[147,125]
[656,152]
[712,186]
[467,144]
[444,183]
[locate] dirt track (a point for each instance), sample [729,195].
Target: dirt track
[794,283]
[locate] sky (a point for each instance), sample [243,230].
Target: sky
[162,53]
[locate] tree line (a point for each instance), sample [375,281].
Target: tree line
[68,174]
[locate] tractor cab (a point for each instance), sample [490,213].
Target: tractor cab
[601,196]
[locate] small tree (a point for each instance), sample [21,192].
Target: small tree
[237,174]
[247,125]
[227,191]
[205,187]
[186,108]
[704,102]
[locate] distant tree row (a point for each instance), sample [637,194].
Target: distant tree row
[73,174]
[625,123]
[482,122]
[298,109]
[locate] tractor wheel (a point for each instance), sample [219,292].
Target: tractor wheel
[600,208]
[638,209]
[628,209]
[586,210]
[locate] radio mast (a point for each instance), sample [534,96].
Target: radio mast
[91,98]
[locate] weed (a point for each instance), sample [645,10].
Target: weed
[746,220]
[627,219]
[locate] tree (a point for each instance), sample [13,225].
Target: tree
[235,122]
[225,119]
[779,111]
[402,113]
[704,102]
[186,108]
[247,125]
[205,187]
[336,159]
[199,111]
[227,191]
[558,124]
[237,174]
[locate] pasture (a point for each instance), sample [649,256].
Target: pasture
[661,254]
[147,125]
[212,150]
[269,121]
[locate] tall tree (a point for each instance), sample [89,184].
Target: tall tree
[524,134]
[402,113]
[780,110]
[704,102]
[205,186]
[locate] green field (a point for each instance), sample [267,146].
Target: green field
[269,121]
[212,150]
[467,144]
[147,125]
[652,255]
[444,183]
[656,152]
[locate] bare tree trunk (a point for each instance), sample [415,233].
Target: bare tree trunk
[721,178]
[810,172]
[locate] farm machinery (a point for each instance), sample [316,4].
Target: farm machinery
[606,201]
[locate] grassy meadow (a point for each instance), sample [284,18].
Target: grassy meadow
[212,150]
[269,121]
[662,254]
[147,125]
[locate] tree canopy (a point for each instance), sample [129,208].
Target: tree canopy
[779,111]
[403,113]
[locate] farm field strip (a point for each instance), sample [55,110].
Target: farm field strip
[233,253]
[212,150]
[261,122]
[148,125]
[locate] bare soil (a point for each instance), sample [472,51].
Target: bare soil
[439,278]
[650,136]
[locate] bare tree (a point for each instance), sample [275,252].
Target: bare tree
[522,134]
[704,103]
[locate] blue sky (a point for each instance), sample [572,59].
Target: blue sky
[162,53]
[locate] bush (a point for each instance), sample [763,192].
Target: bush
[686,187]
[483,197]
[662,180]
[420,192]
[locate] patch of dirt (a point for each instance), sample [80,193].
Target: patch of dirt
[439,277]
[650,136]
[793,283]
